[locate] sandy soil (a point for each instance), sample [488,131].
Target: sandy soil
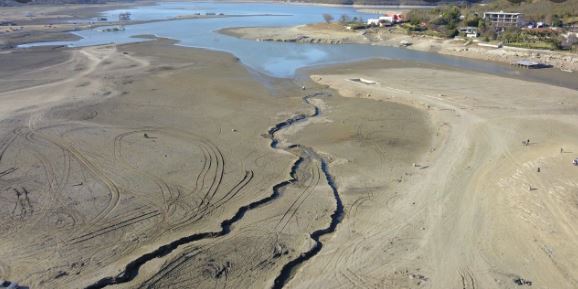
[125,149]
[110,153]
[38,23]
[317,33]
[49,13]
[479,209]
[336,34]
[42,23]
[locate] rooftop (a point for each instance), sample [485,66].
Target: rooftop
[504,13]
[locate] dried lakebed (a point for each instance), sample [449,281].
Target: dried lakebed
[303,153]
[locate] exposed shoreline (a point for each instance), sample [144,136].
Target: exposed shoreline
[476,157]
[111,153]
[335,34]
[35,29]
[402,145]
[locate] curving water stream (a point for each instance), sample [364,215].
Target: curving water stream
[131,270]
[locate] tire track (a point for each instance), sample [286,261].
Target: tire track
[163,186]
[212,173]
[213,165]
[288,270]
[97,173]
[114,227]
[131,270]
[301,198]
[219,203]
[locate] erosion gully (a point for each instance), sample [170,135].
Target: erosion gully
[305,153]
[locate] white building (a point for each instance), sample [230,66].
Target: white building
[385,20]
[470,32]
[373,22]
[505,19]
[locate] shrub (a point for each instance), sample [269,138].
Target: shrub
[327,17]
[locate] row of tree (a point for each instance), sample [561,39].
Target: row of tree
[444,21]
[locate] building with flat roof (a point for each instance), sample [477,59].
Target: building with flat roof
[505,19]
[469,31]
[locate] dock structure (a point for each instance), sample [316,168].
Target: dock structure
[124,16]
[530,64]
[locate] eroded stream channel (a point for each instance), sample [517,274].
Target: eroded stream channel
[303,153]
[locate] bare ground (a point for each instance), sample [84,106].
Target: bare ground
[337,34]
[184,159]
[479,209]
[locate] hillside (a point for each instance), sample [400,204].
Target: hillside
[386,2]
[343,2]
[8,3]
[537,9]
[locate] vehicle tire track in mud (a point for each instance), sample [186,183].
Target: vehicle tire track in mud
[6,142]
[79,157]
[33,133]
[163,186]
[233,191]
[131,270]
[290,213]
[288,270]
[115,226]
[208,182]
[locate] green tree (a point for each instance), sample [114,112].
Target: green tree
[328,18]
[482,25]
[344,19]
[557,21]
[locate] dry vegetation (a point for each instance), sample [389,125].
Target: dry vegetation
[537,10]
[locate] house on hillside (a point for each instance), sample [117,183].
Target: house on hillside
[505,19]
[386,20]
[470,32]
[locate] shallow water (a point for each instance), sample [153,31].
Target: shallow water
[272,58]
